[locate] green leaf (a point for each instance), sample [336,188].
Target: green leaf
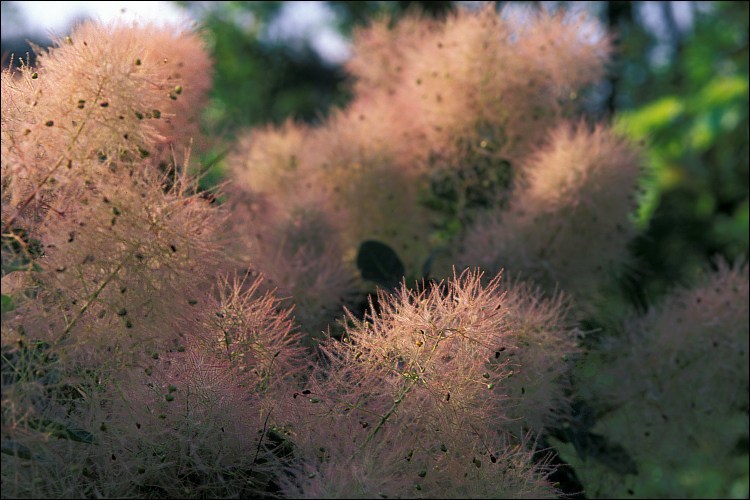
[7,304]
[378,262]
[655,115]
[20,265]
[10,447]
[61,431]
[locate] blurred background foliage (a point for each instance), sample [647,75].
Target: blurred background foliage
[678,83]
[691,108]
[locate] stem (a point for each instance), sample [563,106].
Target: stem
[93,297]
[403,394]
[388,414]
[260,441]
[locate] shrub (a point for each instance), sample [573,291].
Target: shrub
[159,341]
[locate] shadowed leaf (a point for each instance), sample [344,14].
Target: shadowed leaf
[378,262]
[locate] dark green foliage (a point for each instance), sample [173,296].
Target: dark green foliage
[258,81]
[61,430]
[7,303]
[12,448]
[459,192]
[19,250]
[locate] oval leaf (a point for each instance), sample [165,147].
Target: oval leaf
[379,263]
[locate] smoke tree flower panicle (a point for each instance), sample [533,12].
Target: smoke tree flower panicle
[340,463]
[687,356]
[126,258]
[547,339]
[91,173]
[114,246]
[251,330]
[124,95]
[188,416]
[675,385]
[479,76]
[294,243]
[140,85]
[569,219]
[421,392]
